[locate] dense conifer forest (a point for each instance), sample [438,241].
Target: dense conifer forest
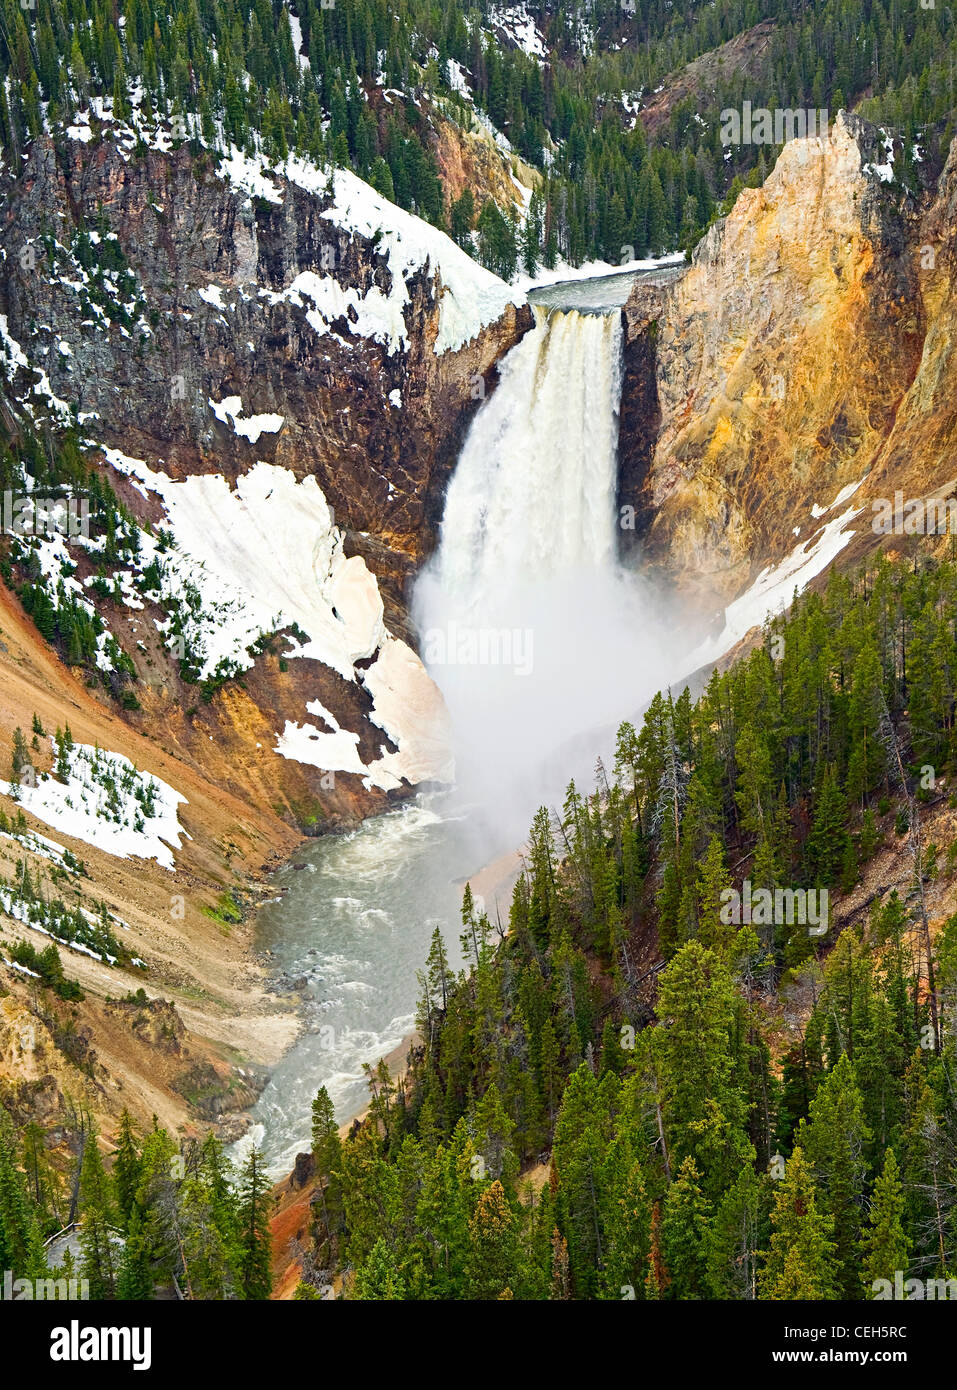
[731,1109]
[370,78]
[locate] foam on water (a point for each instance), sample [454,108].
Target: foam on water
[356,930]
[528,560]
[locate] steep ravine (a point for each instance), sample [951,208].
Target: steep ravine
[341,317]
[807,350]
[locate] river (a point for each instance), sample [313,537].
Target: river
[527,551]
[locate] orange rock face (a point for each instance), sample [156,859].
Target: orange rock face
[808,347]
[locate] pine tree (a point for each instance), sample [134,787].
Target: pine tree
[626,1220]
[255,1259]
[21,753]
[713,879]
[885,1244]
[462,218]
[42,1179]
[492,1259]
[135,1278]
[828,838]
[20,1248]
[704,1109]
[442,1214]
[737,1233]
[550,1067]
[577,1157]
[801,1260]
[685,1228]
[659,234]
[97,1225]
[327,1151]
[657,1278]
[126,1167]
[834,1139]
[378,1278]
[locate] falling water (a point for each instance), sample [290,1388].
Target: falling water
[540,641]
[533,495]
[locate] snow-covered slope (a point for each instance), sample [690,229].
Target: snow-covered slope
[266,556]
[517,25]
[106,801]
[471,296]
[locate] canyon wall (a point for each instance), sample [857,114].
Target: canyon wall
[227,317]
[805,355]
[274,371]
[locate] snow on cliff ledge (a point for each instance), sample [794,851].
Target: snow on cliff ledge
[470,297]
[776,585]
[266,555]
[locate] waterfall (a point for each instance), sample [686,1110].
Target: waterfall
[539,640]
[534,491]
[541,644]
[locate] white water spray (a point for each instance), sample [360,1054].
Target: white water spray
[537,637]
[534,490]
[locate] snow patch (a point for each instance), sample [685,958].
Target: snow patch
[470,297]
[885,171]
[213,294]
[840,499]
[105,801]
[518,25]
[229,410]
[775,587]
[268,548]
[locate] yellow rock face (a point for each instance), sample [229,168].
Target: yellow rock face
[471,159]
[804,349]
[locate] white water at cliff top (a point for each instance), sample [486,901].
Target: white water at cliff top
[533,494]
[527,564]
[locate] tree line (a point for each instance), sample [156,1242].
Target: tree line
[163,1218]
[602,1104]
[364,88]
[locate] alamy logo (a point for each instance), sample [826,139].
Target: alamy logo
[45,516]
[914,1290]
[479,646]
[760,126]
[928,516]
[783,907]
[43,1290]
[76,1343]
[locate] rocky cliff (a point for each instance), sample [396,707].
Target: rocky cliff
[273,369]
[804,357]
[225,318]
